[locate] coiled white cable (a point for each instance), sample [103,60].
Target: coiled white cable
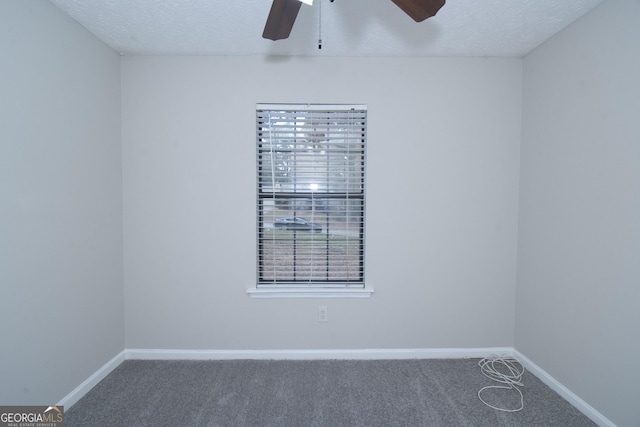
[507,371]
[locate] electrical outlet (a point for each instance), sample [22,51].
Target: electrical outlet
[323,314]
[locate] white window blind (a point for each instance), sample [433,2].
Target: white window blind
[311,195]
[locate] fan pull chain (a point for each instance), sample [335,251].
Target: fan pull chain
[320,24]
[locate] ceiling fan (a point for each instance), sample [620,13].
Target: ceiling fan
[284,12]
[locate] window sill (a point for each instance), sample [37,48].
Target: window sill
[310,293]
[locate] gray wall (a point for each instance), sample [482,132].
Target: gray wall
[60,204]
[442,202]
[577,312]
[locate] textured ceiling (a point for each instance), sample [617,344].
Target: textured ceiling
[506,28]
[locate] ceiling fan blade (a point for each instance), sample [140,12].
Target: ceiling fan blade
[420,10]
[281,18]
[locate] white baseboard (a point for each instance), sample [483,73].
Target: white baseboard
[563,391]
[71,398]
[359,354]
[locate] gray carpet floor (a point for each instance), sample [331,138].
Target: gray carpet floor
[313,393]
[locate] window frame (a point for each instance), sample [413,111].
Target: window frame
[276,287]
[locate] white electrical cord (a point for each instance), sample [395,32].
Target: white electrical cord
[507,371]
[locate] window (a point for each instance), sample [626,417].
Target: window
[310,195]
